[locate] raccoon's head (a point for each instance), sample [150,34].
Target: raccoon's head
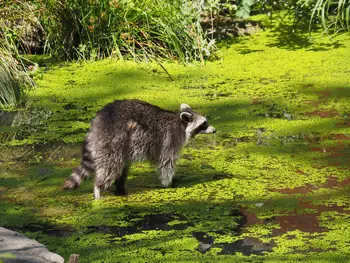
[195,123]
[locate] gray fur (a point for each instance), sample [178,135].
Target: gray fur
[128,131]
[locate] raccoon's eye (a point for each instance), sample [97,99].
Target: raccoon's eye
[205,124]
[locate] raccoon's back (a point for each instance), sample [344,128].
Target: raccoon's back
[124,115]
[131,126]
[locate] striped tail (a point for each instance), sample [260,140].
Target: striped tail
[80,173]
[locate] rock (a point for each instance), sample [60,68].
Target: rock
[24,249]
[203,247]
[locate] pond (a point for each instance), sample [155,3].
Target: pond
[272,184]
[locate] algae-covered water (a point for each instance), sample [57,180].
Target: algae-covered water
[271,185]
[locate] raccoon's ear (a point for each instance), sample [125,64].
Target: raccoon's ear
[185,107]
[186,116]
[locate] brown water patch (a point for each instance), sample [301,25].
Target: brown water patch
[297,190]
[312,137]
[255,101]
[334,183]
[305,222]
[314,103]
[331,183]
[343,124]
[250,218]
[323,113]
[324,94]
[337,155]
[337,137]
[329,149]
[292,221]
[309,85]
[301,172]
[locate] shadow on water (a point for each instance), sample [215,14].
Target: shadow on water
[244,218]
[293,33]
[300,198]
[149,222]
[46,229]
[283,33]
[247,246]
[160,222]
[287,219]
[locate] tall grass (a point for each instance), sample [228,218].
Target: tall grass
[334,15]
[14,77]
[14,80]
[140,29]
[10,92]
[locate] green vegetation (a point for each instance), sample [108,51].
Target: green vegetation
[142,30]
[334,15]
[14,77]
[139,30]
[14,81]
[10,91]
[271,185]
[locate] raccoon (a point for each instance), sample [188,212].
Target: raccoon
[128,131]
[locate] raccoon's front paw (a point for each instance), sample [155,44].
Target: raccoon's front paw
[174,183]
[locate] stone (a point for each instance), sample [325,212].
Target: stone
[24,250]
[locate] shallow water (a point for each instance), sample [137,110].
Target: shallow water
[272,185]
[281,218]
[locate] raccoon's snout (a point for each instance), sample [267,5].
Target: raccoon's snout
[210,129]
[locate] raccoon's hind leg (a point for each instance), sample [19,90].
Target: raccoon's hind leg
[106,174]
[120,181]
